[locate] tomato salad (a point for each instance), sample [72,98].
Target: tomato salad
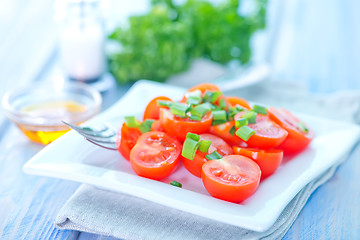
[227,142]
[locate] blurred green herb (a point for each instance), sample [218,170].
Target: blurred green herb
[165,40]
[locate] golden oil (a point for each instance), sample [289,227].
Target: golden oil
[46,134]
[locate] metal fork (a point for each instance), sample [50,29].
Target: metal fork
[102,136]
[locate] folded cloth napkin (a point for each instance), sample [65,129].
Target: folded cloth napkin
[127,217]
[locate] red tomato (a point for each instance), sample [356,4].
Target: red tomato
[237,100]
[155,155]
[267,133]
[179,127]
[297,139]
[127,140]
[203,87]
[156,126]
[217,144]
[268,160]
[233,178]
[222,130]
[152,109]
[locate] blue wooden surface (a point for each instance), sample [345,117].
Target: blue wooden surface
[322,52]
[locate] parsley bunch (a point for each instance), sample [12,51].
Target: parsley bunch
[164,41]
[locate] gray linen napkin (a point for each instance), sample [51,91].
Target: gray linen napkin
[119,215]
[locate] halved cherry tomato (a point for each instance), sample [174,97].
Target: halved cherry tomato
[152,110]
[237,100]
[179,127]
[232,178]
[217,144]
[267,133]
[155,155]
[127,139]
[268,160]
[297,139]
[223,131]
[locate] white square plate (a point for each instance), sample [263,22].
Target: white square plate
[73,158]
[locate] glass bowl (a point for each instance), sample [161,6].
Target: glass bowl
[38,109]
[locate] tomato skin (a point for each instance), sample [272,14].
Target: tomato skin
[127,138]
[155,155]
[152,110]
[268,160]
[217,144]
[267,135]
[203,87]
[296,140]
[179,127]
[233,101]
[156,126]
[222,131]
[233,179]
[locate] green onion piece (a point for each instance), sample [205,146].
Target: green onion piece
[146,125]
[222,103]
[241,122]
[218,122]
[245,133]
[193,136]
[219,115]
[233,111]
[179,109]
[201,110]
[176,184]
[194,97]
[250,116]
[212,96]
[260,109]
[189,148]
[213,155]
[303,128]
[164,103]
[232,130]
[131,122]
[195,118]
[204,146]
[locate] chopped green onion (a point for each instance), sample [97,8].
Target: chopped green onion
[164,103]
[219,115]
[194,97]
[204,146]
[232,130]
[146,125]
[222,103]
[260,109]
[179,109]
[303,128]
[245,133]
[233,111]
[196,118]
[176,184]
[213,155]
[218,122]
[193,136]
[189,148]
[250,116]
[131,122]
[201,110]
[212,96]
[241,122]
